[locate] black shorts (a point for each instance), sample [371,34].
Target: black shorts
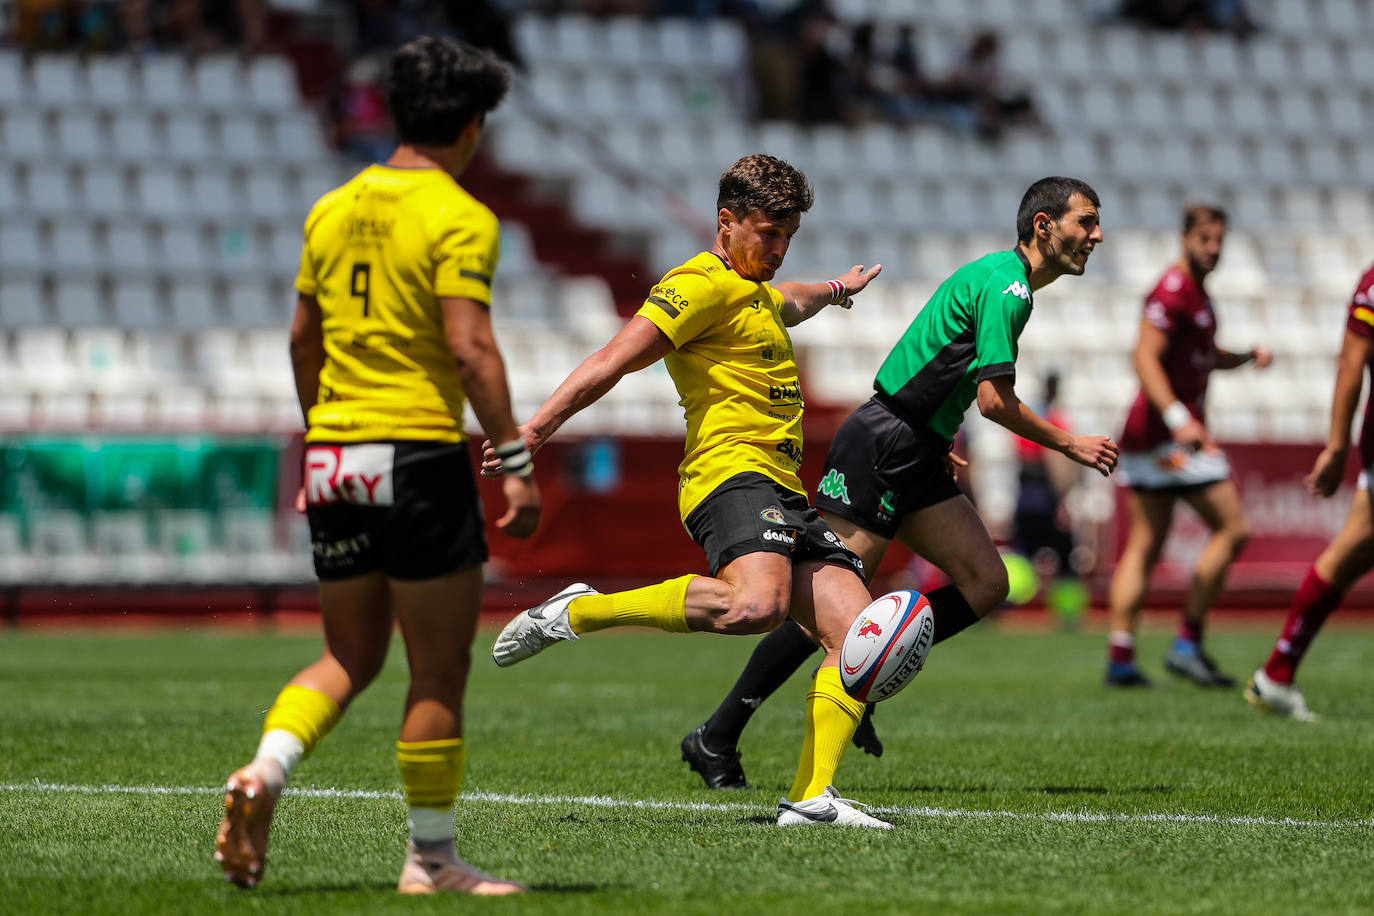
[751,514]
[409,509]
[879,469]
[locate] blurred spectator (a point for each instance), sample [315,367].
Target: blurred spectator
[821,95]
[977,99]
[1193,15]
[140,25]
[362,124]
[775,31]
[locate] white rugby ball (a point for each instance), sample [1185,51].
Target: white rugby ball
[887,645]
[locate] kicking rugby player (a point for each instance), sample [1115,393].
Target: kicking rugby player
[722,330]
[889,470]
[1351,553]
[391,337]
[1168,455]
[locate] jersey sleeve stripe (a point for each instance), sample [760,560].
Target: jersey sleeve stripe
[665,305]
[997,370]
[484,279]
[1364,314]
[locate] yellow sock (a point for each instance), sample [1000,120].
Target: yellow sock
[304,712]
[432,771]
[831,717]
[663,606]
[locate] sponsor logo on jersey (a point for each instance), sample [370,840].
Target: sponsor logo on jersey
[792,451]
[772,514]
[1156,314]
[358,474]
[834,486]
[668,299]
[1018,289]
[784,392]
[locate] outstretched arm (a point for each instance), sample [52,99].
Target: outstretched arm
[1230,359]
[637,345]
[1329,467]
[998,402]
[805,300]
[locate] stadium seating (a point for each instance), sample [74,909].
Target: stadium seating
[150,216]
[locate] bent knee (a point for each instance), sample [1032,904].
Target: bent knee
[1240,537]
[983,586]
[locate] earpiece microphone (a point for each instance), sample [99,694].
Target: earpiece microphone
[1045,224]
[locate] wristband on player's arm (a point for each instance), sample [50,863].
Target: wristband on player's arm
[1176,416]
[515,458]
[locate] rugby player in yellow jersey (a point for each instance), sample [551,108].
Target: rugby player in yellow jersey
[722,330]
[390,339]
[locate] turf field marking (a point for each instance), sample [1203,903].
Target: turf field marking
[605,801]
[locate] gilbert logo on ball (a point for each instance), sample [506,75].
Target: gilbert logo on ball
[887,645]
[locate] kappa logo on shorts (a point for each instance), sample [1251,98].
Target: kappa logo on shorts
[834,486]
[772,514]
[358,474]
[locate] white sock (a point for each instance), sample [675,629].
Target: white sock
[431,829]
[282,748]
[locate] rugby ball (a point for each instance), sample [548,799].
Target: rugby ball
[886,645]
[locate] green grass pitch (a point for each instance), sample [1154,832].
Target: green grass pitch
[1016,782]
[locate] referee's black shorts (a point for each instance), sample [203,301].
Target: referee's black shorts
[879,468]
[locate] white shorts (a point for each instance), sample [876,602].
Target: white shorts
[1169,466]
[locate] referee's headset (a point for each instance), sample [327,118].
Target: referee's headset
[1045,224]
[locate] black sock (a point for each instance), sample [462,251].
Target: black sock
[776,657]
[952,613]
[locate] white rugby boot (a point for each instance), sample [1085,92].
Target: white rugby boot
[826,808]
[533,631]
[1267,695]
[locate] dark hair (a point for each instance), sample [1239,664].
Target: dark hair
[435,86]
[764,183]
[1193,214]
[1049,195]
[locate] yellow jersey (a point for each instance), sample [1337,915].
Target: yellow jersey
[735,374]
[379,254]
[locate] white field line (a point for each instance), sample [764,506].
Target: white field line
[604,801]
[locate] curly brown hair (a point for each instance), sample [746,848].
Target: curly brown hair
[767,184]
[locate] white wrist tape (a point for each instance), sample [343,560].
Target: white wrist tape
[1176,416]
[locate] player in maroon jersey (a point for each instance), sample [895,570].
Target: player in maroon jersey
[1168,455]
[1351,553]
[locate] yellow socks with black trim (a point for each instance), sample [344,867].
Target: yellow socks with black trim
[663,606]
[297,721]
[831,717]
[432,772]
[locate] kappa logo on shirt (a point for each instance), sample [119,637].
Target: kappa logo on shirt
[1019,289]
